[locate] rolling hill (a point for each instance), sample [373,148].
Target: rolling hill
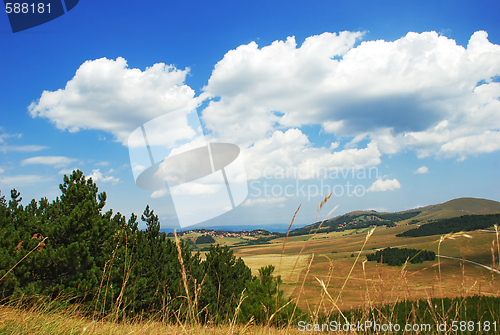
[458,207]
[450,209]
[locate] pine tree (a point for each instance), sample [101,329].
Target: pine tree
[79,236]
[225,282]
[264,298]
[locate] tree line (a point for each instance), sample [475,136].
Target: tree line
[333,224]
[476,308]
[453,225]
[397,256]
[102,261]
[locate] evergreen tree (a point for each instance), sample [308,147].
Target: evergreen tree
[264,298]
[205,239]
[72,247]
[150,267]
[79,236]
[225,282]
[17,239]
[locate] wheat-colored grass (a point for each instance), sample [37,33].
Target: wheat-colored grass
[36,322]
[324,277]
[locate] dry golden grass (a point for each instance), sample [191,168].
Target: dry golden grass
[372,283]
[35,322]
[322,279]
[324,272]
[287,263]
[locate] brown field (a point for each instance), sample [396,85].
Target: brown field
[38,322]
[283,264]
[330,258]
[305,263]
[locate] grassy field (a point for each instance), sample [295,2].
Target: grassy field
[326,274]
[35,321]
[283,264]
[224,241]
[329,257]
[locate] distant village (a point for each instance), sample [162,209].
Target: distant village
[361,221]
[367,218]
[223,233]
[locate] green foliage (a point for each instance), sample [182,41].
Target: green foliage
[430,311]
[397,256]
[145,272]
[396,217]
[350,221]
[453,225]
[71,248]
[98,259]
[69,260]
[264,299]
[205,239]
[257,241]
[225,282]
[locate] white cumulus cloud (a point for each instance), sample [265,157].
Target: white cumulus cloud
[106,95]
[98,176]
[381,185]
[159,193]
[488,141]
[292,150]
[422,92]
[422,169]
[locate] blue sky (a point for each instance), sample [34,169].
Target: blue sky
[406,90]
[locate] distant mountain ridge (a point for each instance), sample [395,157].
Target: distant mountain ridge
[279,228]
[459,207]
[449,209]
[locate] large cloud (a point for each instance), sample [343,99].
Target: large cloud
[106,95]
[290,155]
[421,92]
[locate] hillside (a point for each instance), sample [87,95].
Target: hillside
[459,207]
[361,219]
[453,225]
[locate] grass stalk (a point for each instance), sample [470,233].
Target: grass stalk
[184,277]
[370,233]
[40,244]
[498,244]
